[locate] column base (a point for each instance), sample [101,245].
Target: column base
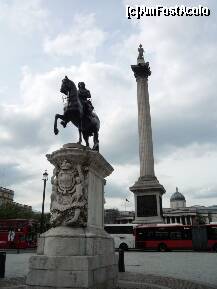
[148,200]
[148,220]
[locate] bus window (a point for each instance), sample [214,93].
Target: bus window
[22,237]
[187,234]
[145,234]
[122,235]
[176,235]
[212,233]
[151,234]
[119,229]
[161,235]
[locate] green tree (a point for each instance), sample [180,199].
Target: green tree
[16,211]
[111,215]
[200,219]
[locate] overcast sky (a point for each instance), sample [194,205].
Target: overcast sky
[94,42]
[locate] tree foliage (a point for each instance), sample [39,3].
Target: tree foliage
[16,211]
[110,216]
[200,219]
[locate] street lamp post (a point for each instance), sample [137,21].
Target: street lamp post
[45,178]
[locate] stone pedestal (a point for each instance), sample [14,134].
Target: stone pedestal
[147,190]
[76,252]
[148,200]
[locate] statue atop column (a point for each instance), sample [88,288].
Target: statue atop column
[141,52]
[142,68]
[140,58]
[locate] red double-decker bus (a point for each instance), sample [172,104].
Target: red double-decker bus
[165,237]
[210,234]
[18,233]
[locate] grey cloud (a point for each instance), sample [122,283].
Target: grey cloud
[182,132]
[210,194]
[113,190]
[28,132]
[123,146]
[12,174]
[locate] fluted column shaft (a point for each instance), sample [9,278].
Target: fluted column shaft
[144,127]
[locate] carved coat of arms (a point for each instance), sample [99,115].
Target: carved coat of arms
[69,196]
[66,179]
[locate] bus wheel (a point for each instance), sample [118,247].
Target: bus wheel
[215,248]
[123,246]
[162,247]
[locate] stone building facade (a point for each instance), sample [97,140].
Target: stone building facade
[177,200]
[6,195]
[178,213]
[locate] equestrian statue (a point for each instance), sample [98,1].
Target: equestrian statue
[79,110]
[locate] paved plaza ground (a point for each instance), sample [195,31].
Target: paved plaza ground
[194,266]
[149,270]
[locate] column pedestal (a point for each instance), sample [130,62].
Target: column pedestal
[76,252]
[148,200]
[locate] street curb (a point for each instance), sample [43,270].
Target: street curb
[130,280]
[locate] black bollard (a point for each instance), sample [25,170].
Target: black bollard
[121,265]
[2,264]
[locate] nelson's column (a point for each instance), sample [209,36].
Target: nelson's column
[147,189]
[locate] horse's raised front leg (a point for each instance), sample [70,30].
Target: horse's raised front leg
[57,116]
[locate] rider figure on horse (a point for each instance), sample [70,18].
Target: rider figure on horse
[84,95]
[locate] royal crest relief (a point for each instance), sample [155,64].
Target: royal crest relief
[66,179]
[69,195]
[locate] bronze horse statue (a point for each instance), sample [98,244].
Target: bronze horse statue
[80,113]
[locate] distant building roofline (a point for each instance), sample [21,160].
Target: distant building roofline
[6,190]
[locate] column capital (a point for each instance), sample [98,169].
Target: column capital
[141,70]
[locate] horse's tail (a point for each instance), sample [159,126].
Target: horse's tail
[95,116]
